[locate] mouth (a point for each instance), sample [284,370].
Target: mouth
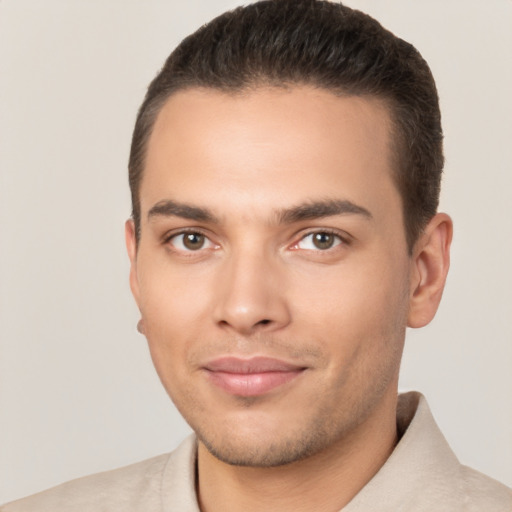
[251,377]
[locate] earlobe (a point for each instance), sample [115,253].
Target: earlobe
[131,247]
[431,260]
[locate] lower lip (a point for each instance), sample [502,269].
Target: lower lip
[251,384]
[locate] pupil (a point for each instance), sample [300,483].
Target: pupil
[323,240]
[193,241]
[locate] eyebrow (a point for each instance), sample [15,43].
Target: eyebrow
[320,209]
[168,208]
[301,212]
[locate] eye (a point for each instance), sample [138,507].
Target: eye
[319,241]
[190,241]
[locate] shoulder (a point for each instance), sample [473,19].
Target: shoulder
[423,474]
[447,483]
[131,488]
[109,490]
[480,492]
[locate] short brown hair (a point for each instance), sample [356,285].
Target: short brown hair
[318,43]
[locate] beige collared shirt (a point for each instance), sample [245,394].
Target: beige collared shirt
[421,475]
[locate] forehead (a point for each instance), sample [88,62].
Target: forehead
[267,145]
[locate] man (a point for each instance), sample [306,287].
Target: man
[285,172]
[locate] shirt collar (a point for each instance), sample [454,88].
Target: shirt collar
[421,460]
[421,466]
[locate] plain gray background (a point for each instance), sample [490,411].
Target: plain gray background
[78,393]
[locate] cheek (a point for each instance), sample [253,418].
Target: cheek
[357,306]
[171,296]
[174,305]
[363,335]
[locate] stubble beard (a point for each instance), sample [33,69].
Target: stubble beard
[289,443]
[330,420]
[285,448]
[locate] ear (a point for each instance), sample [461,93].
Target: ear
[131,247]
[430,263]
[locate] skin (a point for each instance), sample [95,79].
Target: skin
[238,170]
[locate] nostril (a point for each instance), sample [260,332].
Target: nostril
[264,322]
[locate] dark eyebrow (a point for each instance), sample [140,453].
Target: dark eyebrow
[306,211]
[320,209]
[168,208]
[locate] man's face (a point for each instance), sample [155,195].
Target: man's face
[272,271]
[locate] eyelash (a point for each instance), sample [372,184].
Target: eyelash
[341,240]
[168,238]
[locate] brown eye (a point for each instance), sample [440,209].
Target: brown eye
[319,241]
[323,240]
[190,241]
[193,241]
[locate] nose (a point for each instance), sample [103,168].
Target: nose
[251,294]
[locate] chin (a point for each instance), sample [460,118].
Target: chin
[266,449]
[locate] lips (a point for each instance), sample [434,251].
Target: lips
[251,377]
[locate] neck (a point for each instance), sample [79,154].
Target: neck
[326,480]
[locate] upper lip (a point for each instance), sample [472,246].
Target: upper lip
[258,364]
